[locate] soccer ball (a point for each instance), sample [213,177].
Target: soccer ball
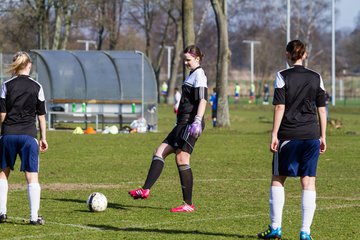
[96,202]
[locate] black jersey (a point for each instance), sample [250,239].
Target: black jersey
[21,98]
[301,90]
[194,89]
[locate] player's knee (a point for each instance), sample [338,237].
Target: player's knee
[182,160]
[32,177]
[308,183]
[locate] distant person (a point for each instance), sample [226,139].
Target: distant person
[237,93]
[252,93]
[164,90]
[213,103]
[177,98]
[266,94]
[327,100]
[298,137]
[21,100]
[181,140]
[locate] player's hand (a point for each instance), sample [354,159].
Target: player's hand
[274,144]
[43,145]
[322,145]
[195,128]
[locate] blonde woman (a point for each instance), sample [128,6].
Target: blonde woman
[21,100]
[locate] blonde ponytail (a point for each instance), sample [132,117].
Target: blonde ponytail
[20,61]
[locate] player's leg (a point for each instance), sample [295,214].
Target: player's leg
[186,180]
[29,155]
[214,115]
[308,206]
[34,193]
[307,170]
[157,164]
[156,167]
[8,151]
[4,175]
[277,200]
[185,173]
[276,204]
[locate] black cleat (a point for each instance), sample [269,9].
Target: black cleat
[39,221]
[3,218]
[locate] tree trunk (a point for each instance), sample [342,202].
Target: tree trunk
[68,12]
[116,21]
[58,24]
[223,59]
[148,26]
[175,62]
[160,57]
[188,27]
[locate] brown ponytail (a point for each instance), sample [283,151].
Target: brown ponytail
[296,50]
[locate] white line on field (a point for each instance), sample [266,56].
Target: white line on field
[82,186]
[84,227]
[46,236]
[61,224]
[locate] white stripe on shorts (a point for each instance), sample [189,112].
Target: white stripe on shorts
[276,164]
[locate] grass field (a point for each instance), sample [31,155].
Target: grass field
[232,170]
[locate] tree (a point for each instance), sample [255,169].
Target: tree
[222,65]
[116,16]
[187,27]
[175,15]
[308,16]
[63,13]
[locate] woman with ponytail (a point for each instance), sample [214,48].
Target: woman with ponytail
[21,101]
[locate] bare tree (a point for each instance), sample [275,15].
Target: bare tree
[63,12]
[187,27]
[222,66]
[188,22]
[310,15]
[116,17]
[41,11]
[176,57]
[142,14]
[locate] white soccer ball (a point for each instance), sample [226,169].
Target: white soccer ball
[97,202]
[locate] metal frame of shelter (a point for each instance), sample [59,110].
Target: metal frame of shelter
[106,81]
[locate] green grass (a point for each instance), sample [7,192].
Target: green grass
[232,170]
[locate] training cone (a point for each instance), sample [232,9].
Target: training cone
[90,130]
[78,130]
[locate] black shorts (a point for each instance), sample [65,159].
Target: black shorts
[213,113]
[179,138]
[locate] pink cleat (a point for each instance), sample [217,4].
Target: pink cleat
[140,193]
[183,208]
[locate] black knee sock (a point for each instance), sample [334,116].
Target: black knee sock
[155,170]
[186,179]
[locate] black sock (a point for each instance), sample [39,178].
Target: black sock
[155,170]
[186,179]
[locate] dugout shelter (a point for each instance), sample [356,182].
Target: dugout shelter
[98,86]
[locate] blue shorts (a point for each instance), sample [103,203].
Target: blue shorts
[26,146]
[296,158]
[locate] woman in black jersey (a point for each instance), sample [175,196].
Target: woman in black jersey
[21,100]
[182,139]
[298,137]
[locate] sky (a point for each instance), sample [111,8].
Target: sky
[347,13]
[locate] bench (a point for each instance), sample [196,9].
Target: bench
[97,111]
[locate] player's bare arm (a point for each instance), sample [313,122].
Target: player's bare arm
[278,115]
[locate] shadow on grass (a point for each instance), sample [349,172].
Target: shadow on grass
[171,231]
[110,205]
